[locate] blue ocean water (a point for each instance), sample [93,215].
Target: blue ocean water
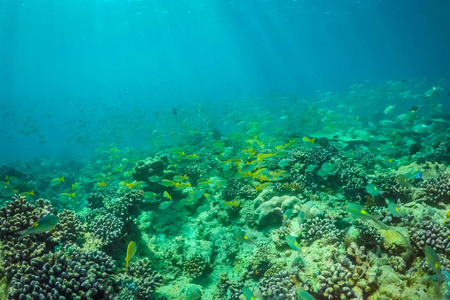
[79,75]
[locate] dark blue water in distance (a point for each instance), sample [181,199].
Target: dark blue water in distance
[79,75]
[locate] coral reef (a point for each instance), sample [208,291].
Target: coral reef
[430,233]
[279,286]
[334,204]
[316,228]
[228,289]
[107,228]
[236,188]
[95,200]
[66,274]
[150,166]
[69,229]
[335,280]
[195,266]
[140,282]
[437,190]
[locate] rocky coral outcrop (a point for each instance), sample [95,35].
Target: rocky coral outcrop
[66,274]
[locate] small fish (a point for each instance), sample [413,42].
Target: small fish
[99,177]
[26,193]
[389,109]
[44,224]
[13,180]
[101,185]
[419,128]
[373,190]
[446,218]
[393,209]
[304,295]
[388,162]
[283,162]
[293,143]
[433,261]
[8,191]
[250,166]
[287,214]
[154,178]
[131,251]
[415,173]
[242,237]
[326,169]
[66,196]
[278,175]
[301,216]
[150,196]
[292,242]
[308,140]
[108,166]
[227,204]
[135,184]
[179,178]
[308,143]
[198,194]
[57,181]
[350,153]
[167,195]
[247,293]
[311,168]
[402,180]
[204,183]
[414,109]
[165,204]
[264,186]
[167,182]
[358,213]
[174,111]
[191,156]
[182,185]
[116,174]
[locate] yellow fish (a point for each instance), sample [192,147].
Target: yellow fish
[204,183]
[226,204]
[131,251]
[26,193]
[150,196]
[264,186]
[166,195]
[180,178]
[57,181]
[135,184]
[101,185]
[448,215]
[66,196]
[167,182]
